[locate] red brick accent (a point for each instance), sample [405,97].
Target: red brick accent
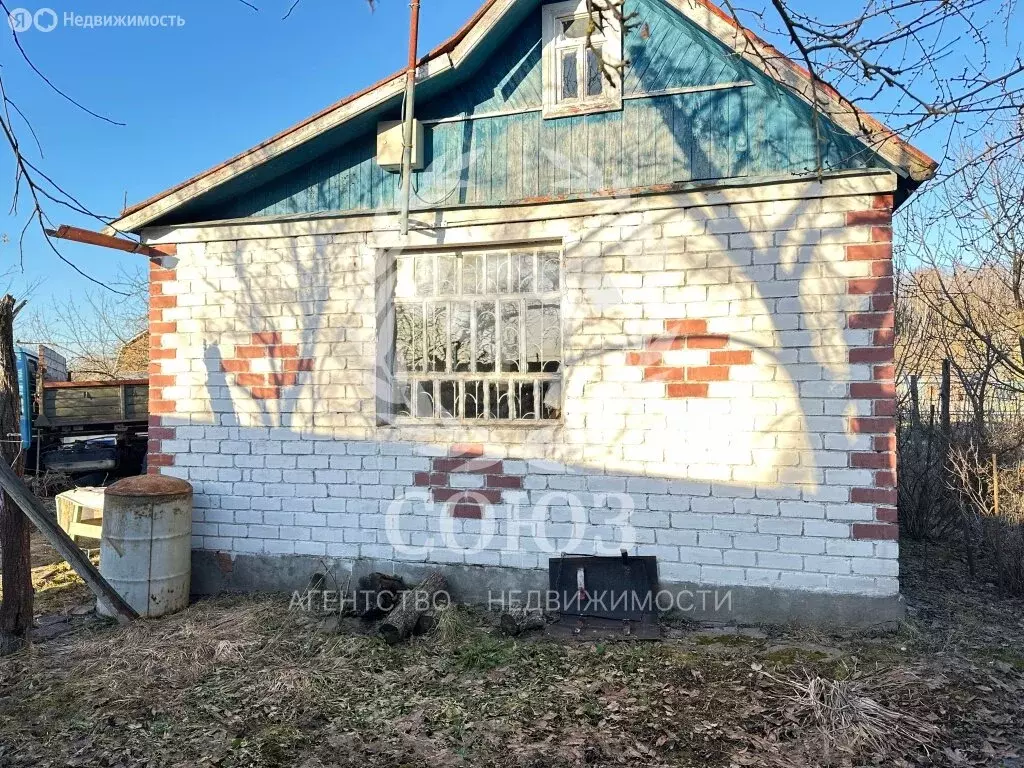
[266,345]
[882,303]
[885,479]
[886,514]
[869,389]
[643,358]
[876,531]
[159,382]
[873,460]
[880,391]
[688,381]
[161,433]
[475,466]
[466,449]
[663,374]
[467,460]
[155,457]
[490,495]
[884,407]
[467,510]
[873,252]
[871,355]
[881,234]
[708,373]
[862,425]
[732,357]
[302,364]
[867,320]
[504,481]
[884,443]
[874,216]
[170,249]
[869,285]
[686,327]
[873,495]
[687,390]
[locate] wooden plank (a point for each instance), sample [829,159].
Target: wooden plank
[76,558]
[499,159]
[578,181]
[93,384]
[514,158]
[531,157]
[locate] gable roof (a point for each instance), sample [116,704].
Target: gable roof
[456,54]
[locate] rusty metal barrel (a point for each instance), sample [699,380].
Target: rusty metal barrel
[146,548]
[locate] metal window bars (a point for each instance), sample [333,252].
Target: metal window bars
[479,335]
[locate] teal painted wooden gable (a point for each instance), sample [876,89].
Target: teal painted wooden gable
[487,143]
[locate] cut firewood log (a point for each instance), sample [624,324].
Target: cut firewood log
[401,622]
[378,594]
[518,620]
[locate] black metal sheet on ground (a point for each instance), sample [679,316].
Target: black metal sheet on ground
[617,588]
[588,628]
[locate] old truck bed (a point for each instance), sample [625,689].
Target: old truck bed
[91,405]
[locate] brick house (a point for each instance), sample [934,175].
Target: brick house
[651,310]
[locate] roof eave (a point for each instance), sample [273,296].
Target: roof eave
[909,161]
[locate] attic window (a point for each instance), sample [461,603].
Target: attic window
[581,52]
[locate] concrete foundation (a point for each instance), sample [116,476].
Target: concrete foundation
[217,572]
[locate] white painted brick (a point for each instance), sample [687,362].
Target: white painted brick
[806,544]
[780,560]
[739,557]
[711,574]
[780,526]
[676,537]
[757,542]
[700,555]
[818,582]
[826,529]
[692,521]
[678,572]
[757,470]
[873,567]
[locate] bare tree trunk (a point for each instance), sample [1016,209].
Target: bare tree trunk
[15,531]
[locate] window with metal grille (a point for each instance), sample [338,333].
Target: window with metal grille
[478,335]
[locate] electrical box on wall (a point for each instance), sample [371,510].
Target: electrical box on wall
[389,145]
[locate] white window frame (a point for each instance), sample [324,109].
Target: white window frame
[555,46]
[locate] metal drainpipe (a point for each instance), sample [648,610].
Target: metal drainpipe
[407,133]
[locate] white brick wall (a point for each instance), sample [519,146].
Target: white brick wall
[754,481]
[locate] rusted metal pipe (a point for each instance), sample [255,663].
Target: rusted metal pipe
[87,236]
[407,129]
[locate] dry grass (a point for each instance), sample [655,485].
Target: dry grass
[452,624]
[243,681]
[858,714]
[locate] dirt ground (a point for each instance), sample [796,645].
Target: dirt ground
[244,681]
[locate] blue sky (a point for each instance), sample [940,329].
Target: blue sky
[190,96]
